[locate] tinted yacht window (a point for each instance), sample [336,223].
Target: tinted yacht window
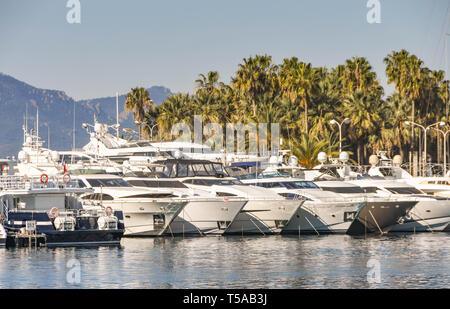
[108,183]
[217,182]
[156,184]
[344,190]
[404,190]
[300,185]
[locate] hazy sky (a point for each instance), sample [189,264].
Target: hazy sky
[122,44]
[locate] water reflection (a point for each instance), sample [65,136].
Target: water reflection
[335,261]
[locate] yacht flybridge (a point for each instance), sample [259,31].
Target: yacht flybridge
[34,160]
[106,145]
[266,212]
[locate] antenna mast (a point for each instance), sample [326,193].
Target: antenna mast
[117,114]
[73,133]
[37,121]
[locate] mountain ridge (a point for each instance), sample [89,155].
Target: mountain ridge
[18,98]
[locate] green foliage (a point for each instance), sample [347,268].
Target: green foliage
[303,98]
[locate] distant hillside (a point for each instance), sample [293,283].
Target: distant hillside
[56,111]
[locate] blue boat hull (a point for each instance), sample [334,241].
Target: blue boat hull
[53,238]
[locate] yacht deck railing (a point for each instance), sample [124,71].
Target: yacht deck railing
[14,182]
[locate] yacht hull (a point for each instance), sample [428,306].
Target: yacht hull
[264,217]
[379,216]
[206,217]
[323,218]
[426,216]
[47,234]
[149,218]
[83,238]
[2,236]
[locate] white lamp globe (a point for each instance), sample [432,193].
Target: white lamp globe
[322,157]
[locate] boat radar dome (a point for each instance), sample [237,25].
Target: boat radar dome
[23,156]
[344,157]
[397,160]
[373,160]
[273,160]
[293,161]
[177,154]
[55,155]
[322,157]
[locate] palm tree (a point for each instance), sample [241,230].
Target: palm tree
[139,102]
[175,109]
[208,82]
[358,76]
[394,132]
[254,77]
[308,147]
[364,113]
[298,81]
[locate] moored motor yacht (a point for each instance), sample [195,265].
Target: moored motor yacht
[386,168]
[381,213]
[204,214]
[266,212]
[146,212]
[322,212]
[431,213]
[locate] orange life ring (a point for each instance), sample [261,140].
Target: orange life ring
[44,178]
[54,212]
[108,211]
[66,178]
[25,178]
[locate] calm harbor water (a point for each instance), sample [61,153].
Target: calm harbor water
[335,261]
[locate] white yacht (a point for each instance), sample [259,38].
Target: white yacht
[322,212]
[266,212]
[105,145]
[146,212]
[431,213]
[204,213]
[381,214]
[195,151]
[387,168]
[34,160]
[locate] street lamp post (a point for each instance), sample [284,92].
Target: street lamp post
[445,148]
[151,130]
[138,123]
[333,122]
[425,140]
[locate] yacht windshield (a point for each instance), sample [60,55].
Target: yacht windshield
[386,171]
[404,190]
[263,175]
[300,185]
[211,182]
[287,184]
[344,190]
[190,168]
[156,183]
[108,183]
